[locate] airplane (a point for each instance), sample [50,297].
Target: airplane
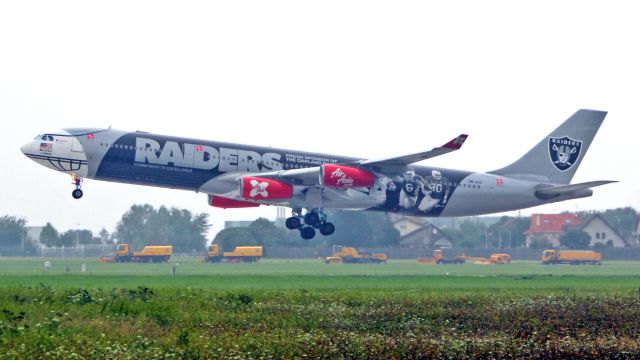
[239,176]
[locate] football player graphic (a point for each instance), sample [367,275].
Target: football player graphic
[410,189]
[392,196]
[435,191]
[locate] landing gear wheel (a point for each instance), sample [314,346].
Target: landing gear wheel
[293,222]
[307,232]
[312,218]
[77,194]
[327,228]
[77,181]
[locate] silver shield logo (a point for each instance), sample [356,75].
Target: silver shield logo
[564,152]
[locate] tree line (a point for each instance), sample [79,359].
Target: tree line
[141,225]
[187,232]
[353,228]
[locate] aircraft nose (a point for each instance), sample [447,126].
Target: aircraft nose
[26,148]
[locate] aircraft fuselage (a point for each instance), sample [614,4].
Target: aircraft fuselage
[200,165]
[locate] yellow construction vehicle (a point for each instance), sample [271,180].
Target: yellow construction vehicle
[499,258]
[350,255]
[574,257]
[152,253]
[239,254]
[438,258]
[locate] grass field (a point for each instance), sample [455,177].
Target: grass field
[305,308]
[612,277]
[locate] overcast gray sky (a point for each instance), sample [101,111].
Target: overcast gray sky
[360,78]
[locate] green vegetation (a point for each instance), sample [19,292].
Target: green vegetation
[361,228]
[145,225]
[187,232]
[575,240]
[294,309]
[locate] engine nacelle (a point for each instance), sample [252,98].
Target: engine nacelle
[226,203]
[340,176]
[256,188]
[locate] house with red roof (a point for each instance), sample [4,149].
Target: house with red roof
[550,227]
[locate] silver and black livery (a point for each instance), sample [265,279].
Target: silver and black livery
[235,175]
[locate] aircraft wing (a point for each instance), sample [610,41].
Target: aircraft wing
[303,177]
[310,176]
[402,161]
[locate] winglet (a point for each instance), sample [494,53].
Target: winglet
[456,143]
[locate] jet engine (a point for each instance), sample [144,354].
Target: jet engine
[226,203]
[256,188]
[339,176]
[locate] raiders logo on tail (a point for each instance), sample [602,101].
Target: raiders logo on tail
[564,152]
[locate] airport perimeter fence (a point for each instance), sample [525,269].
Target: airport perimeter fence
[399,253]
[393,253]
[80,251]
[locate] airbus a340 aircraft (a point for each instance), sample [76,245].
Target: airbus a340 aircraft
[235,176]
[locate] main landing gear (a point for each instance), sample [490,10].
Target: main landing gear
[77,181]
[313,219]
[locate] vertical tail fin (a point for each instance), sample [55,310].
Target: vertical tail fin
[557,156]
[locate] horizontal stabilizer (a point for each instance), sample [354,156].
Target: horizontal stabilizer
[565,189]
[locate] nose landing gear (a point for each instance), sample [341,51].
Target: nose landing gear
[313,219]
[77,181]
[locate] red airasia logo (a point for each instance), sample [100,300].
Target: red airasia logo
[344,176]
[339,178]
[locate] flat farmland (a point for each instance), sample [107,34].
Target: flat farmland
[305,308]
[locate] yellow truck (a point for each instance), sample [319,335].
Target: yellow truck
[500,259]
[497,258]
[439,258]
[350,255]
[574,257]
[153,253]
[239,254]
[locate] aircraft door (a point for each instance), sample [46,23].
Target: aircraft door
[76,146]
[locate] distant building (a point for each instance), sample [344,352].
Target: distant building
[550,227]
[237,223]
[416,234]
[452,223]
[600,231]
[33,232]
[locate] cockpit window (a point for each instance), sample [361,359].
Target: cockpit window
[44,137]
